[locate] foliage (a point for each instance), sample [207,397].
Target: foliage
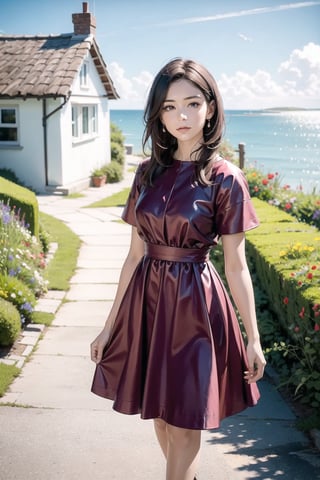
[21,254]
[306,208]
[10,175]
[98,172]
[286,258]
[10,324]
[23,202]
[116,134]
[114,172]
[117,153]
[7,374]
[17,292]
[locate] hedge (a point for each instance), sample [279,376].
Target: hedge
[24,201]
[288,289]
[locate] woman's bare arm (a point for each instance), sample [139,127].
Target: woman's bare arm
[240,284]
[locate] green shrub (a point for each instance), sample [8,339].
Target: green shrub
[116,134]
[10,175]
[23,201]
[10,324]
[114,172]
[15,291]
[44,238]
[117,153]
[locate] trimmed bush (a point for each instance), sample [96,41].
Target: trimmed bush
[114,172]
[286,257]
[10,324]
[24,201]
[15,291]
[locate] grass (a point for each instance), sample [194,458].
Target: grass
[117,200]
[64,262]
[7,374]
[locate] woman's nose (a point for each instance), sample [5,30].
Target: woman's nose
[183,116]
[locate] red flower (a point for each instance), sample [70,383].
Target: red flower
[270,176]
[265,181]
[292,274]
[256,189]
[299,283]
[317,314]
[316,327]
[296,329]
[314,267]
[301,314]
[286,300]
[315,307]
[288,206]
[309,276]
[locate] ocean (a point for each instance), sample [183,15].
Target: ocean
[286,142]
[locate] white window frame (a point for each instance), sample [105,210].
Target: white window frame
[10,125]
[84,75]
[84,121]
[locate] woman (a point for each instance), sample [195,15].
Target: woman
[171,348]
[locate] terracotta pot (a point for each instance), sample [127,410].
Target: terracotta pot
[99,181]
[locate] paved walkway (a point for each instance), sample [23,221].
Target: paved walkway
[53,428]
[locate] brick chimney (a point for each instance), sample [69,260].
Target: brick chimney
[84,23]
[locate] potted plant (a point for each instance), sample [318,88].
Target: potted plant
[99,177]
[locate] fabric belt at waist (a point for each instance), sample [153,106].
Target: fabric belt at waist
[176,254]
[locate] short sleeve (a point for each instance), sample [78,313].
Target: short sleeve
[234,212]
[128,214]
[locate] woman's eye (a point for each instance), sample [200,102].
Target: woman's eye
[194,104]
[167,108]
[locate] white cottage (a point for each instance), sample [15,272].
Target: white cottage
[54,114]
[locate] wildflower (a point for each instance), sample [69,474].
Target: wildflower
[316,215]
[296,329]
[256,189]
[286,300]
[314,267]
[270,176]
[301,314]
[265,181]
[316,314]
[315,307]
[288,206]
[309,276]
[316,327]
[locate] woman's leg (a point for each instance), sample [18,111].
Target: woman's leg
[160,428]
[181,447]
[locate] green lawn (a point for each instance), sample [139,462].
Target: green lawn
[117,200]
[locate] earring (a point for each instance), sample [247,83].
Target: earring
[163,129]
[209,124]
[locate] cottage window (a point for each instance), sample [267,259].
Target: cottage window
[84,121]
[84,75]
[8,125]
[75,129]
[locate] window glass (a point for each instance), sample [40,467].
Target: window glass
[8,125]
[85,120]
[8,115]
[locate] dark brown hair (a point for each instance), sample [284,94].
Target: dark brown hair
[162,143]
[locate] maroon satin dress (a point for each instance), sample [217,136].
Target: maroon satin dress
[176,350]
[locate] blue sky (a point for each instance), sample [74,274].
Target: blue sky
[262,53]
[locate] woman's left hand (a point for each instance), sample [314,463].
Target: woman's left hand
[256,362]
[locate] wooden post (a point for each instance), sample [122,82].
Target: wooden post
[241,155]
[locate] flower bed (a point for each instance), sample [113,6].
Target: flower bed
[22,261]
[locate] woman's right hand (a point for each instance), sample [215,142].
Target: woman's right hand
[98,345]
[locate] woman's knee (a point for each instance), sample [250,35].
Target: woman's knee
[183,436]
[160,424]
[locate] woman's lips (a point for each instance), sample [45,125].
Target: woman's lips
[182,129]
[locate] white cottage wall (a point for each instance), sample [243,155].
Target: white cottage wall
[26,159]
[81,155]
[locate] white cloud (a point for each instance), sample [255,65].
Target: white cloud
[244,37]
[298,84]
[132,91]
[240,13]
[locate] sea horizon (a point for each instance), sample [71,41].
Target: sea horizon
[280,139]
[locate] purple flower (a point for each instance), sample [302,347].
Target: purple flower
[316,215]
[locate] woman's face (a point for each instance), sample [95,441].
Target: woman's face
[185,112]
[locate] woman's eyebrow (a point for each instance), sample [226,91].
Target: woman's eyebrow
[186,98]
